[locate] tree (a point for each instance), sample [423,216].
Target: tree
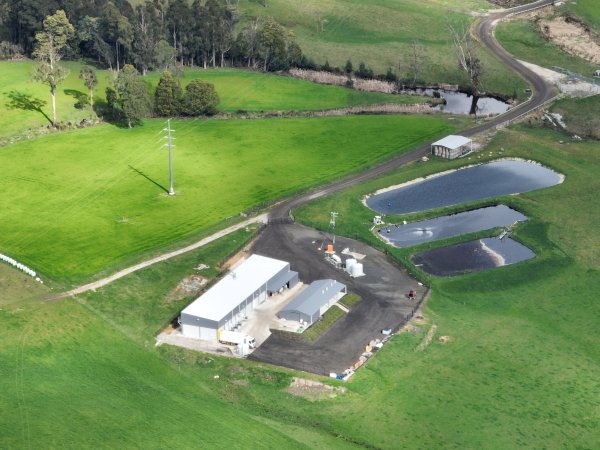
[348,68]
[200,98]
[146,25]
[117,31]
[164,54]
[272,40]
[415,61]
[390,76]
[88,75]
[50,43]
[133,95]
[168,96]
[468,60]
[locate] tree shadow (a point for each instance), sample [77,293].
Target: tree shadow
[139,172]
[26,102]
[82,99]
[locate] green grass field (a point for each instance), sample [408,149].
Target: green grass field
[379,33]
[15,77]
[237,89]
[588,11]
[82,201]
[520,369]
[521,38]
[580,115]
[525,345]
[256,91]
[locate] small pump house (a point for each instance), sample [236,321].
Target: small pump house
[452,147]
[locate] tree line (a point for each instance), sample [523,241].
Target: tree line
[156,34]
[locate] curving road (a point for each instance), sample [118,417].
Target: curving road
[541,93]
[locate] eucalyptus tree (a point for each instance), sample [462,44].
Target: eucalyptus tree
[50,44]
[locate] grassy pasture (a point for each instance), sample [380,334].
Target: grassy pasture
[379,33]
[15,77]
[525,346]
[238,90]
[71,378]
[256,91]
[521,38]
[520,369]
[581,115]
[588,11]
[82,201]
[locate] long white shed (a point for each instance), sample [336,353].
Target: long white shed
[230,300]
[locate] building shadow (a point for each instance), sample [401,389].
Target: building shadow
[26,102]
[139,172]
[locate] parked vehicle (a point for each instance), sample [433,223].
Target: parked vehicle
[236,338]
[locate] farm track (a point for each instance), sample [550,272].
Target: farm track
[542,92]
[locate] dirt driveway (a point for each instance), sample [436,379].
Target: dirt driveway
[383,289]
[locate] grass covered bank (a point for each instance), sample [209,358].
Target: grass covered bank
[82,201]
[521,38]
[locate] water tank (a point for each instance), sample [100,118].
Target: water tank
[337,259]
[357,270]
[350,262]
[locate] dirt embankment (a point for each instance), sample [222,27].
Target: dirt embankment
[571,36]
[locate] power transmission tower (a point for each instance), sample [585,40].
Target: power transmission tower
[169,144]
[332,224]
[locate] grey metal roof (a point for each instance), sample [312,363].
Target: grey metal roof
[232,289]
[311,299]
[281,279]
[453,141]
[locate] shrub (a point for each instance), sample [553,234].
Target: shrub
[168,96]
[200,98]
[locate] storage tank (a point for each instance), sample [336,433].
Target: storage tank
[357,270]
[337,259]
[350,262]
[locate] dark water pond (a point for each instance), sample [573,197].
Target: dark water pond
[460,103]
[472,256]
[465,185]
[450,226]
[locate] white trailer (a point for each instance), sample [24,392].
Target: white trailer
[236,338]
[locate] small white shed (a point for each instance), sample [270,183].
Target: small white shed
[452,147]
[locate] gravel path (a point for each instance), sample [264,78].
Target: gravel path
[202,242]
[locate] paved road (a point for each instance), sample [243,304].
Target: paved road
[542,92]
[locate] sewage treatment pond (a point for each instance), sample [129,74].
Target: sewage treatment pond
[472,256]
[464,185]
[451,225]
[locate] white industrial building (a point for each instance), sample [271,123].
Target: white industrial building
[230,300]
[452,147]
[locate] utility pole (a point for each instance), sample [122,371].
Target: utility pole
[332,224]
[170,145]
